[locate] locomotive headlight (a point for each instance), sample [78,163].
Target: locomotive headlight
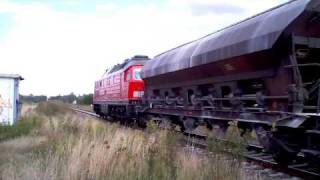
[138,94]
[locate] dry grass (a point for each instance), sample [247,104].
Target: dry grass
[75,147]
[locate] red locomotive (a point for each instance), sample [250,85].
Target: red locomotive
[262,72]
[120,88]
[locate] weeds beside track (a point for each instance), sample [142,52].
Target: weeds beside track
[253,153]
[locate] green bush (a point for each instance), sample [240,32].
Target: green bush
[215,145]
[152,126]
[233,142]
[22,127]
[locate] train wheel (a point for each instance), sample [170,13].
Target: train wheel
[244,128]
[282,158]
[142,121]
[189,124]
[282,153]
[263,136]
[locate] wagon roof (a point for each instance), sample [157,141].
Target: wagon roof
[254,34]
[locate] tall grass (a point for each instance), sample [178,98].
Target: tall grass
[52,108]
[76,147]
[233,143]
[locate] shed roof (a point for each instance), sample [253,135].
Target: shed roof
[11,76]
[254,34]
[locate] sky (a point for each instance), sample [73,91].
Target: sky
[63,46]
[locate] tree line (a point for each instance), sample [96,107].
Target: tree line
[85,99]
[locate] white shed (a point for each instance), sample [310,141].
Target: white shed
[9,98]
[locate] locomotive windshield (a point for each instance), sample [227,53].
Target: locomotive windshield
[136,74]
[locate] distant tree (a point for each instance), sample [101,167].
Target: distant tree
[85,99]
[32,99]
[64,98]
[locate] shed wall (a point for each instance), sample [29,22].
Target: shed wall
[8,110]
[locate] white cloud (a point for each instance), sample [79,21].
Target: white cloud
[63,52]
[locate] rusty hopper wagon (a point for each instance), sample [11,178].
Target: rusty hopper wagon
[263,73]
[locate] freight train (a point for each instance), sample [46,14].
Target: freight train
[263,73]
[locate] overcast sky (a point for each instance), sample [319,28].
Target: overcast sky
[63,46]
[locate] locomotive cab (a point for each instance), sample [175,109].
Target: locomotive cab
[134,85]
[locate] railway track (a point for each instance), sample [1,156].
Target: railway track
[257,159]
[85,112]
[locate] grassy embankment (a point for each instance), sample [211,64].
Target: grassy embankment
[51,142]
